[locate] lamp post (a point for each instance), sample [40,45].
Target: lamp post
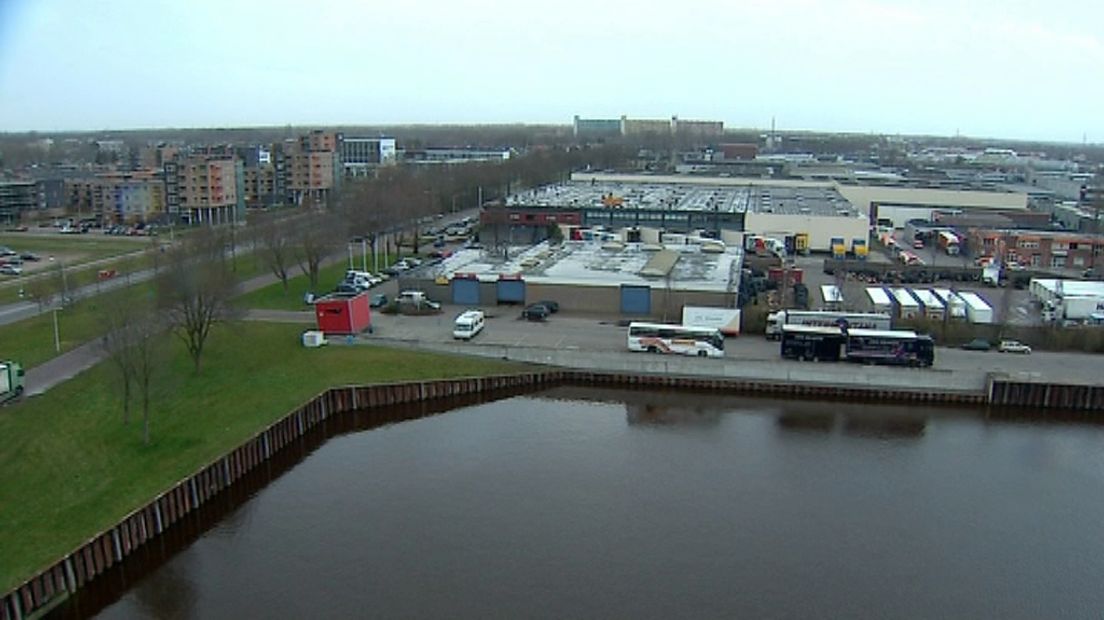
[57,334]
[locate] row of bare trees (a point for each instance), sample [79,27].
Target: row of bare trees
[194,286]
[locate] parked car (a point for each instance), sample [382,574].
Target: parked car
[10,270]
[535,312]
[1013,346]
[378,300]
[977,344]
[346,288]
[30,256]
[553,306]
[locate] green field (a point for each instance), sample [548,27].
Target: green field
[90,246]
[69,468]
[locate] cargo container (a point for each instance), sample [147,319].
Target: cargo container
[907,306]
[342,313]
[933,306]
[952,302]
[879,299]
[977,310]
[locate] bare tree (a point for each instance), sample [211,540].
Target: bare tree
[317,235]
[195,288]
[120,316]
[45,287]
[273,242]
[146,359]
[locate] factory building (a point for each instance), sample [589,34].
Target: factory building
[726,213]
[637,279]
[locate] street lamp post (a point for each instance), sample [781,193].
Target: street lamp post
[57,334]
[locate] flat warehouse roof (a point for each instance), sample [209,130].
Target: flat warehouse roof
[599,264]
[684,197]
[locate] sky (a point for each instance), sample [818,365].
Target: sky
[983,68]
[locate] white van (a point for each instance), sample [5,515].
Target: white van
[468,324]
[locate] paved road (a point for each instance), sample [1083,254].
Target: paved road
[583,334]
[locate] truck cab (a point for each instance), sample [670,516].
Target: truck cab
[11,381]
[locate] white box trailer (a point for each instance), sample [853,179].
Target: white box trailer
[879,298]
[907,306]
[977,310]
[953,303]
[727,320]
[933,306]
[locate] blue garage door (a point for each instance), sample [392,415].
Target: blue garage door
[636,299]
[511,291]
[465,292]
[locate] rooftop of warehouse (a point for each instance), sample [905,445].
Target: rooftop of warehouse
[686,197]
[598,264]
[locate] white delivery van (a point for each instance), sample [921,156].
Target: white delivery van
[468,324]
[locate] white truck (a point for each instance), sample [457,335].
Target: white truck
[857,320]
[11,381]
[977,310]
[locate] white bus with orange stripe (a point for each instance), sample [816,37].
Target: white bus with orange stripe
[678,339]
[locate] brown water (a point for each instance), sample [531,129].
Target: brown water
[588,503]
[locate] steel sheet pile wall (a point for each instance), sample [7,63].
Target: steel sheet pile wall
[1046,395]
[108,548]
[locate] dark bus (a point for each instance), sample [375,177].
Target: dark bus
[899,348]
[812,342]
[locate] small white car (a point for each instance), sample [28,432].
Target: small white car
[1013,346]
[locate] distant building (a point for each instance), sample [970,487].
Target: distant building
[1042,249]
[596,127]
[205,188]
[18,198]
[740,151]
[456,155]
[359,156]
[313,167]
[117,197]
[625,126]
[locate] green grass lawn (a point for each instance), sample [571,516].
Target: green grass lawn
[69,468]
[91,245]
[272,297]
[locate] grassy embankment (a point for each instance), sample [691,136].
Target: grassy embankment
[69,468]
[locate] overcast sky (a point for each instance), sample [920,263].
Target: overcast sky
[1000,68]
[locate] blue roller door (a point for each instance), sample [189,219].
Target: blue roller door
[636,299]
[465,292]
[511,291]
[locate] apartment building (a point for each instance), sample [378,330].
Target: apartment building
[205,188]
[117,197]
[313,167]
[19,197]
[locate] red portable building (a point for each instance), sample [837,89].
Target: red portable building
[343,313]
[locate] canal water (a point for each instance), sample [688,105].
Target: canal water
[579,502]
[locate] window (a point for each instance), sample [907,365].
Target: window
[1011,258]
[1028,244]
[1036,260]
[1078,261]
[1057,261]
